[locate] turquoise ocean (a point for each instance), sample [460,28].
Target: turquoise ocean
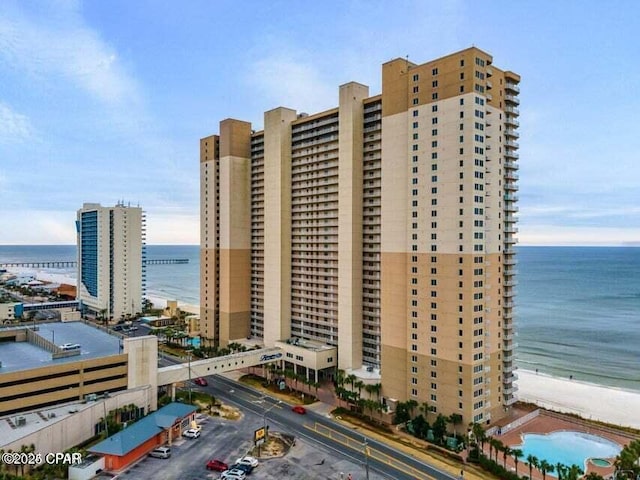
[578,308]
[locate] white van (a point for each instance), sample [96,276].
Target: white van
[70,346]
[160,452]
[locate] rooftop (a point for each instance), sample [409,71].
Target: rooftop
[308,344]
[144,429]
[94,343]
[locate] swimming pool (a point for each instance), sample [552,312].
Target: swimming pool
[567,447]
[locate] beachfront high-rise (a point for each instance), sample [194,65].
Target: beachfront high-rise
[383,228]
[110,254]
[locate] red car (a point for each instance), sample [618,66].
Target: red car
[217,465]
[299,409]
[201,381]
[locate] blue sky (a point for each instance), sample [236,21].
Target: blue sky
[106,101]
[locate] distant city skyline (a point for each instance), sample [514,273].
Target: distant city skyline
[106,102]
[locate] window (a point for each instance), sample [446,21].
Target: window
[415,101]
[434,108]
[434,96]
[415,89]
[416,77]
[434,71]
[434,84]
[415,113]
[434,121]
[415,124]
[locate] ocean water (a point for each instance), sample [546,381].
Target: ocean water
[577,314]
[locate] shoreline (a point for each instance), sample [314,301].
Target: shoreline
[590,401]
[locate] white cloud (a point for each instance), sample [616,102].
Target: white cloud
[173,229]
[31,227]
[543,234]
[63,45]
[284,79]
[14,127]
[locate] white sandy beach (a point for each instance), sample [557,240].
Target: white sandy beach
[158,302]
[590,401]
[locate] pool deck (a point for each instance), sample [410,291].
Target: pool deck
[548,422]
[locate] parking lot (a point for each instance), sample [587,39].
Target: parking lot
[228,440]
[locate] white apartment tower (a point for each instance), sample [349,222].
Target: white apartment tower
[382,228]
[111,277]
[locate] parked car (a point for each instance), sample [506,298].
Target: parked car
[247,460]
[160,452]
[70,346]
[201,381]
[299,409]
[118,328]
[217,465]
[233,474]
[191,433]
[242,466]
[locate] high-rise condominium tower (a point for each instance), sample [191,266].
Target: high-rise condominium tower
[383,228]
[110,255]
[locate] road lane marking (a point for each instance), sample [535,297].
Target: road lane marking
[358,446]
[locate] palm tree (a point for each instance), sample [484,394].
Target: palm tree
[411,405]
[533,462]
[359,384]
[499,447]
[561,469]
[506,451]
[573,472]
[516,453]
[455,419]
[544,468]
[479,434]
[351,379]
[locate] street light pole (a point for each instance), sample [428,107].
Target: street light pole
[264,420]
[189,354]
[366,458]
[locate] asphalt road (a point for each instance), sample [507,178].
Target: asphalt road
[287,421]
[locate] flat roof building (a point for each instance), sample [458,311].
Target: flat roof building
[57,363]
[111,249]
[384,227]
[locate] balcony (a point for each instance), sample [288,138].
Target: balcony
[510,390]
[512,99]
[508,304]
[510,283]
[511,187]
[508,358]
[511,378]
[510,198]
[511,144]
[509,165]
[512,110]
[513,87]
[511,121]
[511,176]
[511,132]
[510,219]
[489,85]
[510,261]
[509,272]
[510,241]
[510,401]
[511,154]
[510,207]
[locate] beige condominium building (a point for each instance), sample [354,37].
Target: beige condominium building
[111,250]
[383,228]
